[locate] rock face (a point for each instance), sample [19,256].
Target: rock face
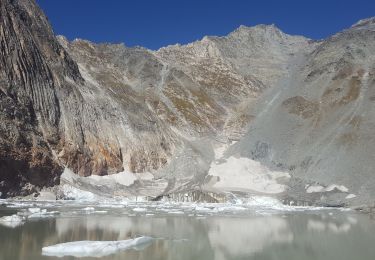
[300,110]
[52,117]
[320,126]
[31,66]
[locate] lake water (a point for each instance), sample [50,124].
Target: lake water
[186,231]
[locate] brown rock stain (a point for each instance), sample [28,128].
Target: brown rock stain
[300,106]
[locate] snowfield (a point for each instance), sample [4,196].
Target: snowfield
[243,174]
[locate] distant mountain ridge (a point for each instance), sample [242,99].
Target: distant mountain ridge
[293,104]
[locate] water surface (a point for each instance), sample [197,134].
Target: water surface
[193,232]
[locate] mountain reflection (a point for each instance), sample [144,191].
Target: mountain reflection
[182,237]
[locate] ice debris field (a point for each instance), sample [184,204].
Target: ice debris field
[40,210]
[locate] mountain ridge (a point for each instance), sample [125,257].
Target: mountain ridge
[168,113]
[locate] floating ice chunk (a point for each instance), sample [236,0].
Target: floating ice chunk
[199,208]
[11,221]
[176,212]
[139,209]
[101,212]
[315,188]
[230,208]
[34,210]
[88,209]
[341,188]
[42,213]
[350,196]
[96,248]
[114,206]
[19,204]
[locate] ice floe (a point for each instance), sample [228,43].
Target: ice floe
[350,196]
[95,248]
[139,209]
[12,221]
[88,209]
[35,213]
[314,188]
[34,210]
[176,212]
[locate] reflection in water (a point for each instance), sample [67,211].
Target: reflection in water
[243,237]
[306,236]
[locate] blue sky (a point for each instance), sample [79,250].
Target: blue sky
[157,23]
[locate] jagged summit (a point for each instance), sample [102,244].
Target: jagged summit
[258,27]
[368,23]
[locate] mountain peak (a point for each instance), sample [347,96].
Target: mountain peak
[259,27]
[368,24]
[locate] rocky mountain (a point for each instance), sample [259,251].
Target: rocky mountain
[168,121]
[320,124]
[52,117]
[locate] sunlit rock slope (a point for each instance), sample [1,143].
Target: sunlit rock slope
[254,112]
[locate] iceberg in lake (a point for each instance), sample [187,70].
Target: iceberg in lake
[96,248]
[11,221]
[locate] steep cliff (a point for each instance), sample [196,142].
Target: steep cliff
[51,117]
[32,66]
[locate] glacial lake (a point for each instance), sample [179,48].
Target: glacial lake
[183,231]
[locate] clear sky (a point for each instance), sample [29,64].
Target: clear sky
[157,23]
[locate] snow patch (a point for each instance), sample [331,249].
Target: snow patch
[319,188]
[72,193]
[244,174]
[123,178]
[219,151]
